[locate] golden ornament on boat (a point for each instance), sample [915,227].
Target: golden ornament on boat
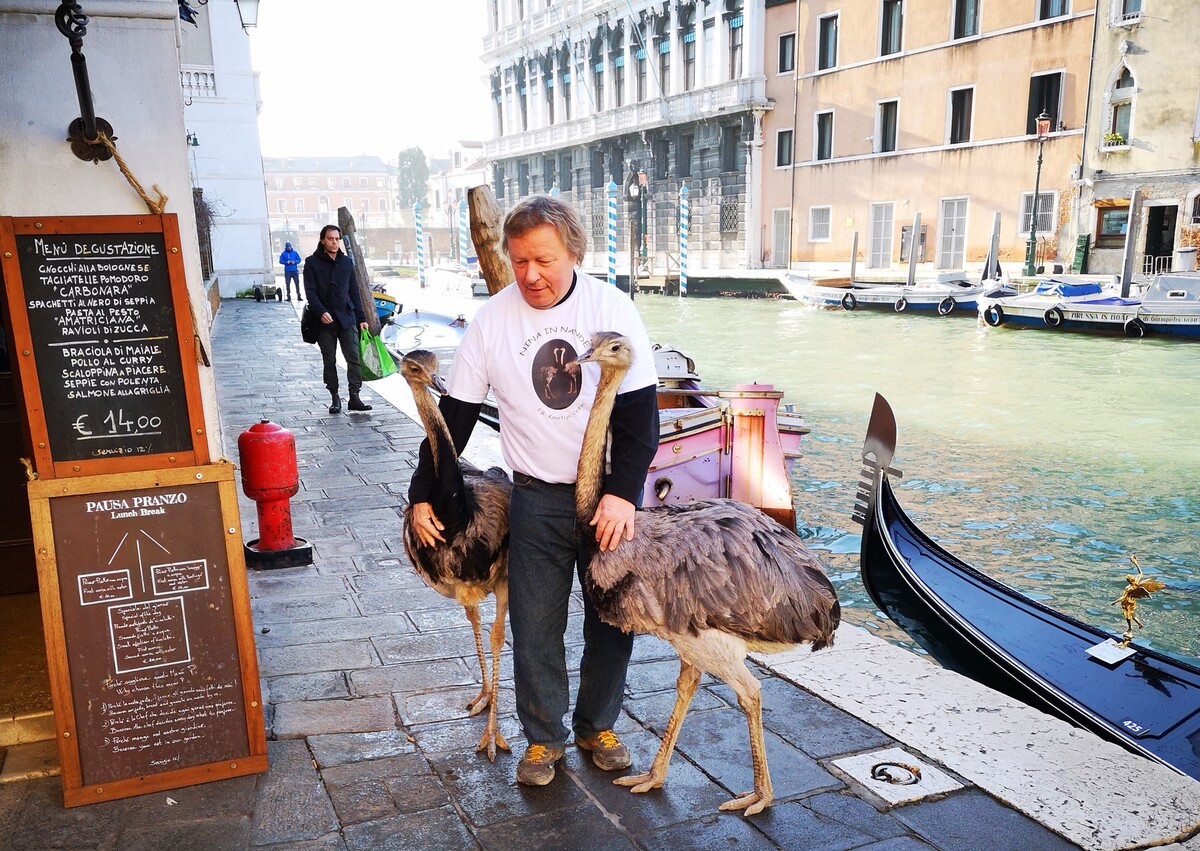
[1138,588]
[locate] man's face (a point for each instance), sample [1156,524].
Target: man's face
[331,241]
[543,265]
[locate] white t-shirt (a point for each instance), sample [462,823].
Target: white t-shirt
[524,355]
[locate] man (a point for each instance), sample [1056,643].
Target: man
[329,286]
[290,258]
[521,344]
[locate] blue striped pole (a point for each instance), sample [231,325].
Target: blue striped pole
[683,239]
[464,233]
[420,243]
[612,233]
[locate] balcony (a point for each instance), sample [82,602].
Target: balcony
[198,81]
[709,102]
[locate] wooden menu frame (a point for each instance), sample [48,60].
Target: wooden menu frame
[149,638]
[104,345]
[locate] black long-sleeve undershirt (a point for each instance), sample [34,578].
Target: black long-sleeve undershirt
[634,426]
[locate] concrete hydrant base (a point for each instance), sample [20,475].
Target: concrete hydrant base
[295,556]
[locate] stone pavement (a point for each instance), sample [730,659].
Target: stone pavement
[366,673]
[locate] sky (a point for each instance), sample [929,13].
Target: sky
[370,76]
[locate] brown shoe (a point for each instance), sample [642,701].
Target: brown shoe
[607,751]
[536,768]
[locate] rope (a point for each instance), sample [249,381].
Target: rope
[155,207]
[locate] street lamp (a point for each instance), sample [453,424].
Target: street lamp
[1043,129]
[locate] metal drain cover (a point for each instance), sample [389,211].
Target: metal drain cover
[896,776]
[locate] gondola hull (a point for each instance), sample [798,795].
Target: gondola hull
[979,627]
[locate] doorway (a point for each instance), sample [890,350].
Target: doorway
[952,244]
[1160,239]
[781,232]
[882,225]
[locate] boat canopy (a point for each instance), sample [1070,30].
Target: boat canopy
[1066,290]
[1174,289]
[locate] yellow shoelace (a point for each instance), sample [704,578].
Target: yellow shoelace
[535,753]
[608,739]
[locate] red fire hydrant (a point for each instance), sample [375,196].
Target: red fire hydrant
[271,478]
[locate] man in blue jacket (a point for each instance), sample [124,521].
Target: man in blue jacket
[329,286]
[290,259]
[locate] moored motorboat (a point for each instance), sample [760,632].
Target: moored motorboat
[949,293]
[1170,305]
[971,623]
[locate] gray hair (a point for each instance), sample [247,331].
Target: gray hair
[537,210]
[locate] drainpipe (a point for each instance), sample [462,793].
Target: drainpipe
[795,135]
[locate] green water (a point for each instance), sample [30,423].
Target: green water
[1044,459]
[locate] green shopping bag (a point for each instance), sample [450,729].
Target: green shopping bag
[376,360]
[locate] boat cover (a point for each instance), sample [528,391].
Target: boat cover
[1066,290]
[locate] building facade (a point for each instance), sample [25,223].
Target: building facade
[929,107]
[1141,154]
[656,95]
[304,194]
[220,98]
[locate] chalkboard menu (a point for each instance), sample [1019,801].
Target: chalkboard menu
[151,651]
[104,342]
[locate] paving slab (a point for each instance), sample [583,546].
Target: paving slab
[313,717]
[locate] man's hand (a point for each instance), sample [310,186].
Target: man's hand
[426,525]
[613,519]
[362,326]
[326,318]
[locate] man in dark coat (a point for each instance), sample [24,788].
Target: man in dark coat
[329,287]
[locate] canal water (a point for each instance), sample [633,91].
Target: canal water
[1043,459]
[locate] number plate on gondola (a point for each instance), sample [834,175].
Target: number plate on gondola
[1134,728]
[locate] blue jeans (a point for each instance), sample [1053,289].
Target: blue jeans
[543,556]
[291,276]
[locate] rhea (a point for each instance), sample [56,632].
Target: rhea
[716,578]
[473,561]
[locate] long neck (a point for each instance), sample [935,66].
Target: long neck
[440,444]
[589,477]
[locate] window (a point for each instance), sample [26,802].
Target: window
[382,205]
[364,182]
[731,136]
[312,183]
[1196,210]
[597,169]
[548,88]
[279,183]
[787,53]
[823,149]
[886,119]
[961,102]
[1045,94]
[1052,8]
[783,148]
[296,182]
[891,26]
[523,178]
[299,205]
[819,219]
[736,34]
[333,183]
[523,99]
[689,60]
[323,203]
[683,156]
[1045,211]
[548,178]
[664,66]
[598,85]
[281,204]
[641,74]
[345,183]
[379,182]
[566,96]
[661,150]
[348,203]
[564,173]
[1111,225]
[498,181]
[827,42]
[365,205]
[1126,11]
[1120,106]
[619,80]
[966,18]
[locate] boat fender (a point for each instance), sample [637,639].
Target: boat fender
[946,306]
[849,302]
[1053,316]
[662,488]
[901,304]
[994,315]
[1135,328]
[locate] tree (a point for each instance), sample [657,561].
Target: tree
[412,175]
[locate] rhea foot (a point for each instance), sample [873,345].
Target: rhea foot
[491,739]
[641,782]
[751,803]
[479,702]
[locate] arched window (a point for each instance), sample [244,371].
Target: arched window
[1121,93]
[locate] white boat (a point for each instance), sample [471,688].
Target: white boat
[1170,305]
[947,293]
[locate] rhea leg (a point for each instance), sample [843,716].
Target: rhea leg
[749,695]
[480,700]
[492,737]
[685,688]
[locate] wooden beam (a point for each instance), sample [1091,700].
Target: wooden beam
[486,222]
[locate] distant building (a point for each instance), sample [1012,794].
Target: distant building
[220,97]
[451,178]
[1141,154]
[585,93]
[304,194]
[929,107]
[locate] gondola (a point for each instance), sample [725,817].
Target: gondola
[1146,701]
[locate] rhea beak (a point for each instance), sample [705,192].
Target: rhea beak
[438,384]
[585,357]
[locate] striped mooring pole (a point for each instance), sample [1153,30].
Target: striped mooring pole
[612,233]
[420,243]
[683,239]
[464,234]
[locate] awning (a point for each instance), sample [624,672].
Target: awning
[1110,202]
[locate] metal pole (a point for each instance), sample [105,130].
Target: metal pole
[853,256]
[464,234]
[1031,250]
[992,265]
[683,239]
[913,243]
[611,241]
